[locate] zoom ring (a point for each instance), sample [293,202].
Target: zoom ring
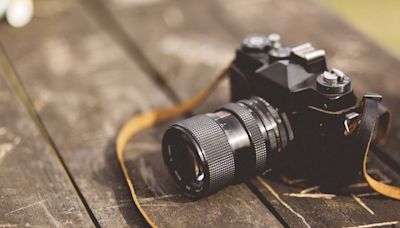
[256,137]
[217,150]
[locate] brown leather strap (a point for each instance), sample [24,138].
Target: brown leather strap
[373,126]
[373,112]
[147,120]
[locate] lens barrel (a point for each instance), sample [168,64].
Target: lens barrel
[205,153]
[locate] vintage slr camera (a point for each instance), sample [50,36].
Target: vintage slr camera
[289,113]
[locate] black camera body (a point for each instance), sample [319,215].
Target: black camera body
[292,81]
[288,113]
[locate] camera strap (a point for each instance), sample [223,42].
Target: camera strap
[373,113]
[146,120]
[373,126]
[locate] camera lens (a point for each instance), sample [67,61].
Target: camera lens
[207,152]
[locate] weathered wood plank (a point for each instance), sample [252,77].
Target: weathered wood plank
[341,208]
[34,190]
[162,200]
[179,39]
[185,33]
[82,106]
[83,86]
[87,105]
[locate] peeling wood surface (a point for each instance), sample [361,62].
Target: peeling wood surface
[89,65]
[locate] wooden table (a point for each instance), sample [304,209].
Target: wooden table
[84,67]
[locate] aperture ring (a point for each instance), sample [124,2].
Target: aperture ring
[282,131]
[270,124]
[248,118]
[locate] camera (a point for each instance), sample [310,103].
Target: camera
[288,113]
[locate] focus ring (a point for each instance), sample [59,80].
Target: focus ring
[217,150]
[253,130]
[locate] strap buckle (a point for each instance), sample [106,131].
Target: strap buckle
[373,96]
[350,122]
[352,119]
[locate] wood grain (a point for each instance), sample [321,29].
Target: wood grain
[35,190]
[89,65]
[164,203]
[83,86]
[347,50]
[339,207]
[162,200]
[177,50]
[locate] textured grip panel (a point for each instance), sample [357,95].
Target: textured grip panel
[253,130]
[217,151]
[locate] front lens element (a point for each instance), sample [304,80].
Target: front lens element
[213,153]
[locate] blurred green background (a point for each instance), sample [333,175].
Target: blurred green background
[377,19]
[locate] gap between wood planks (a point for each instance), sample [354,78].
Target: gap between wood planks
[107,21]
[392,164]
[378,151]
[15,84]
